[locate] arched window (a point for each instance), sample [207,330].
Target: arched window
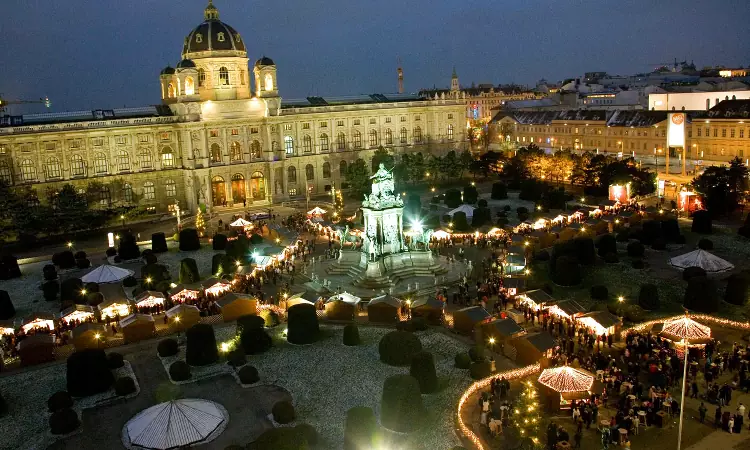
[341,141]
[170,188]
[417,135]
[326,170]
[404,135]
[291,174]
[127,192]
[105,197]
[289,145]
[323,142]
[342,169]
[307,144]
[149,192]
[189,86]
[167,158]
[388,136]
[170,90]
[269,82]
[215,153]
[100,163]
[201,77]
[144,156]
[235,151]
[255,150]
[450,132]
[373,138]
[357,140]
[242,77]
[224,76]
[6,176]
[53,168]
[309,172]
[123,161]
[77,166]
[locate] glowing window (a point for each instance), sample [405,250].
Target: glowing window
[417,135]
[123,161]
[450,132]
[77,166]
[235,151]
[127,192]
[255,149]
[170,90]
[289,145]
[201,77]
[149,191]
[100,163]
[189,86]
[224,76]
[215,153]
[170,188]
[145,158]
[167,158]
[269,82]
[53,167]
[404,135]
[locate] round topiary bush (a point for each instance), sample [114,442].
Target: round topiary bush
[623,236]
[459,221]
[189,271]
[420,324]
[360,428]
[585,251]
[705,244]
[49,272]
[636,249]
[248,322]
[648,297]
[80,254]
[659,244]
[692,272]
[201,349]
[701,295]
[64,260]
[189,240]
[308,433]
[88,373]
[64,421]
[480,370]
[220,242]
[476,353]
[83,263]
[50,289]
[423,370]
[736,291]
[248,375]
[7,310]
[567,271]
[499,191]
[130,281]
[124,386]
[128,248]
[59,400]
[462,361]
[302,324]
[606,244]
[149,257]
[351,335]
[270,318]
[115,360]
[167,347]
[283,412]
[401,406]
[255,340]
[179,371]
[702,222]
[398,347]
[611,258]
[541,255]
[638,264]
[599,292]
[111,251]
[236,357]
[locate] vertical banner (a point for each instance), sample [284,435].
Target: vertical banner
[676,130]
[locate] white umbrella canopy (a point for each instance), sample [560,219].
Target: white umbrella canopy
[106,274]
[701,258]
[466,209]
[175,424]
[240,223]
[317,211]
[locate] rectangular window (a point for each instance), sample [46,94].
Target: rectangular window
[576,130]
[403,118]
[323,124]
[450,116]
[49,145]
[356,121]
[690,133]
[663,133]
[372,121]
[287,127]
[339,123]
[716,132]
[149,191]
[214,133]
[97,142]
[3,149]
[388,119]
[731,133]
[417,118]
[143,138]
[235,132]
[723,132]
[700,131]
[253,130]
[306,126]
[292,192]
[121,140]
[742,133]
[75,143]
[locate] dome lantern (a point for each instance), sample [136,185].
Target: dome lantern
[211,12]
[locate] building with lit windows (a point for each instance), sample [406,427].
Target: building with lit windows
[222,135]
[712,137]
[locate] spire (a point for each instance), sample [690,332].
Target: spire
[454,73]
[211,13]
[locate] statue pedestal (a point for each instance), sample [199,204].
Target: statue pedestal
[386,270]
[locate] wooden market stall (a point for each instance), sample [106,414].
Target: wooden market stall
[384,309]
[499,331]
[543,239]
[531,348]
[515,286]
[430,308]
[466,319]
[234,305]
[36,349]
[77,314]
[308,297]
[566,309]
[7,327]
[602,323]
[216,286]
[39,321]
[148,299]
[535,299]
[87,335]
[115,303]
[342,306]
[183,316]
[185,292]
[563,385]
[137,327]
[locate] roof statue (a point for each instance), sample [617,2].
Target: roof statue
[382,195]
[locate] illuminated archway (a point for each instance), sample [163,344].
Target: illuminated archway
[189,86]
[238,188]
[218,190]
[258,186]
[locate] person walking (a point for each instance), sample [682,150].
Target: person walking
[695,389]
[577,438]
[702,411]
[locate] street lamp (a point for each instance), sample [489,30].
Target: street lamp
[70,245]
[122,217]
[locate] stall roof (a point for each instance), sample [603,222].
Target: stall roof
[212,281]
[506,327]
[181,308]
[430,302]
[517,283]
[146,294]
[229,297]
[76,308]
[604,318]
[385,299]
[86,327]
[196,287]
[136,318]
[539,296]
[345,297]
[37,339]
[38,315]
[310,296]
[475,313]
[542,341]
[570,307]
[112,293]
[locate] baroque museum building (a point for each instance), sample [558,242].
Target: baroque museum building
[221,136]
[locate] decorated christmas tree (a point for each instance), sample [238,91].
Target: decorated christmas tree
[527,418]
[200,223]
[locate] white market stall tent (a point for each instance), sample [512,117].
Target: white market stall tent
[703,259]
[240,223]
[176,424]
[106,274]
[466,209]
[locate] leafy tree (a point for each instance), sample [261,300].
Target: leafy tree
[381,156]
[464,162]
[358,177]
[722,187]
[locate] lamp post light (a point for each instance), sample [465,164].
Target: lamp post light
[620,301]
[70,245]
[122,217]
[98,337]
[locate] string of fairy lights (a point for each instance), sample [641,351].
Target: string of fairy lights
[566,379]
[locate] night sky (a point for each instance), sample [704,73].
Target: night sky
[104,54]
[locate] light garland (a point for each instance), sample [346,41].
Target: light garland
[482,384]
[566,379]
[686,328]
[745,326]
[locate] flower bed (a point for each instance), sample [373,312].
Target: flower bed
[196,372]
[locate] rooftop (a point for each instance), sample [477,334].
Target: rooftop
[85,116]
[350,100]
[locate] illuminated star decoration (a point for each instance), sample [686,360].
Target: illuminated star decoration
[566,379]
[688,329]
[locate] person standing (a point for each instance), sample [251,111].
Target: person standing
[717,417]
[577,438]
[702,411]
[695,389]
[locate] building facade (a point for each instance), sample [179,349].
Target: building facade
[223,135]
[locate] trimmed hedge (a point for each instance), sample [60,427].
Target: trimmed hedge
[255,340]
[702,222]
[302,324]
[585,251]
[692,272]
[236,357]
[470,194]
[248,322]
[462,361]
[149,257]
[7,310]
[567,271]
[648,297]
[110,252]
[659,244]
[705,244]
[398,347]
[3,406]
[308,433]
[59,400]
[201,349]
[623,236]
[736,291]
[638,264]
[270,318]
[283,412]
[541,255]
[221,264]
[167,347]
[701,295]
[480,370]
[459,221]
[129,281]
[64,260]
[220,242]
[670,229]
[88,373]
[179,371]
[452,198]
[282,438]
[401,406]
[248,375]
[128,248]
[360,428]
[159,243]
[64,421]
[599,292]
[476,353]
[115,360]
[351,335]
[189,240]
[499,191]
[606,244]
[124,386]
[636,249]
[9,267]
[70,291]
[189,271]
[50,289]
[611,258]
[423,370]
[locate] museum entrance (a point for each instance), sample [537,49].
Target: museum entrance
[258,186]
[238,188]
[218,191]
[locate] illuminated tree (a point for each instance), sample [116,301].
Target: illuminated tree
[526,419]
[200,223]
